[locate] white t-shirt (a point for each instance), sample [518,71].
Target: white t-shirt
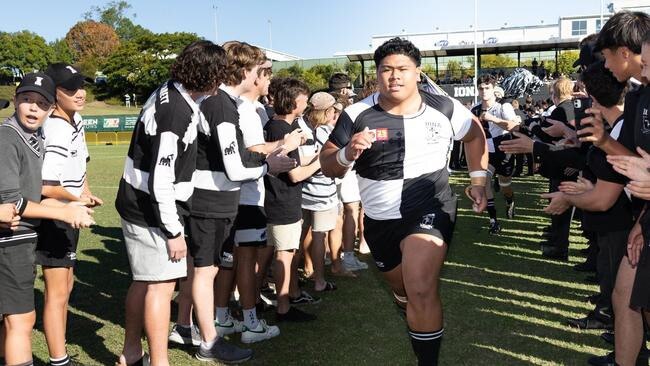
[66,154]
[252,127]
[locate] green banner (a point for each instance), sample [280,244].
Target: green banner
[109,123]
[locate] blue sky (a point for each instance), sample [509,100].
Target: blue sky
[309,29]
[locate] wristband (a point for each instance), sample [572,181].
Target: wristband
[342,159]
[478,178]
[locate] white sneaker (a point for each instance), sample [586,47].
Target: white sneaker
[184,336]
[229,327]
[262,332]
[351,263]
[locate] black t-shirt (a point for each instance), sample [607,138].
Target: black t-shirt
[620,215]
[283,198]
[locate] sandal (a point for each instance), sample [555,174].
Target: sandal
[329,286]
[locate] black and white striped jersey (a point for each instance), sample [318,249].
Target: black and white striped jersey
[156,186]
[223,161]
[318,191]
[66,154]
[492,130]
[405,169]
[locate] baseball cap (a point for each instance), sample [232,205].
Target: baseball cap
[40,83]
[4,103]
[66,76]
[498,92]
[321,101]
[588,55]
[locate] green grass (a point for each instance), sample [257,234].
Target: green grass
[504,303]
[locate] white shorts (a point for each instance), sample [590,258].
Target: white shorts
[284,237]
[146,248]
[349,188]
[321,221]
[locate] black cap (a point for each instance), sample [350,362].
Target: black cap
[65,76]
[588,55]
[40,83]
[4,103]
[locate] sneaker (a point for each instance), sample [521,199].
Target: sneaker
[510,213]
[231,326]
[351,263]
[262,332]
[225,352]
[494,228]
[304,299]
[295,315]
[185,336]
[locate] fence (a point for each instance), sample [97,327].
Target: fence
[109,130]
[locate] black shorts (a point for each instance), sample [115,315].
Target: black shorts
[207,238]
[17,275]
[384,236]
[504,164]
[250,227]
[57,244]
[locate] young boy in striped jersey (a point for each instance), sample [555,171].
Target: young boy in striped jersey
[21,148]
[64,178]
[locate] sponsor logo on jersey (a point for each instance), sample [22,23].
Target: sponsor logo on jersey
[427,221]
[381,134]
[166,160]
[432,131]
[230,149]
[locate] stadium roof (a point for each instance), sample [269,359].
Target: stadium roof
[468,50]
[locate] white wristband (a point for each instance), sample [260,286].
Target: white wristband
[342,159]
[478,173]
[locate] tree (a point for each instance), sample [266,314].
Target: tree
[353,69]
[140,66]
[497,62]
[61,51]
[91,44]
[114,15]
[294,71]
[565,62]
[25,51]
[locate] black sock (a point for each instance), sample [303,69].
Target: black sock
[492,211]
[426,346]
[509,199]
[2,361]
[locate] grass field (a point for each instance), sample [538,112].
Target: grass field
[504,303]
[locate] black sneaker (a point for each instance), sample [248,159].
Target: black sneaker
[608,337]
[555,253]
[596,319]
[304,299]
[593,299]
[225,352]
[586,266]
[295,315]
[494,228]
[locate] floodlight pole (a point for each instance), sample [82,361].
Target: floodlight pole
[476,52]
[270,36]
